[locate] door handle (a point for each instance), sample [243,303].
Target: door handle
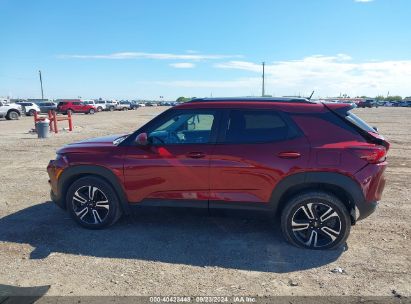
[289,155]
[196,154]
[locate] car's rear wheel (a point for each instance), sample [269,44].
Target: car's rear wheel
[111,109]
[93,203]
[32,112]
[69,111]
[91,111]
[316,220]
[99,109]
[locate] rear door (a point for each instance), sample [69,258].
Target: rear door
[256,149]
[77,106]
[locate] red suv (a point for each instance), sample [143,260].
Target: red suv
[76,106]
[318,165]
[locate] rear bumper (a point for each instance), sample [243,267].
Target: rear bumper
[372,181]
[364,209]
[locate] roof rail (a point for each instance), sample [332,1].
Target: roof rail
[253,99]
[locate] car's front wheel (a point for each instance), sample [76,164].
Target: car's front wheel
[12,115]
[93,203]
[316,220]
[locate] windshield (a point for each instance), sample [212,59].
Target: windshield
[359,122]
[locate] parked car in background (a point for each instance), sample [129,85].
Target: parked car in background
[29,108]
[134,105]
[93,103]
[100,105]
[75,106]
[406,103]
[367,103]
[111,105]
[10,111]
[318,166]
[124,105]
[47,106]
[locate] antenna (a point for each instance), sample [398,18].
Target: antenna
[309,98]
[263,89]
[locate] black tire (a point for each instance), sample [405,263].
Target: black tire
[12,115]
[99,109]
[31,112]
[91,111]
[69,111]
[111,109]
[315,220]
[83,204]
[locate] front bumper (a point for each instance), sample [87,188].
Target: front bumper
[54,170]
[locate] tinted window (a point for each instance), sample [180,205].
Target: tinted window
[359,122]
[256,126]
[77,103]
[183,128]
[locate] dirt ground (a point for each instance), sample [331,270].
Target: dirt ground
[185,252]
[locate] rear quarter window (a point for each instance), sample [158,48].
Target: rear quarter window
[325,128]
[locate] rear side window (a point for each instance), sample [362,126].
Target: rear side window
[354,119]
[326,127]
[257,126]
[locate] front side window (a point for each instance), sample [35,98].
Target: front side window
[183,128]
[256,126]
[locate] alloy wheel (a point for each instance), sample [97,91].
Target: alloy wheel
[90,205]
[316,225]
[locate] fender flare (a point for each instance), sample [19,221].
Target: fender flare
[351,188]
[68,176]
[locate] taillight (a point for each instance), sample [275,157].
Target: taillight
[373,154]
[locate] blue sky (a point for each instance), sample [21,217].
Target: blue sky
[152,48]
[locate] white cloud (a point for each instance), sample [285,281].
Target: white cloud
[330,75]
[158,56]
[327,75]
[182,65]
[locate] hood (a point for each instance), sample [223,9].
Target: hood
[105,141]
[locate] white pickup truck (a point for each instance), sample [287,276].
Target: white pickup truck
[10,111]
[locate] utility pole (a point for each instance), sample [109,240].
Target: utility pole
[41,85]
[263,89]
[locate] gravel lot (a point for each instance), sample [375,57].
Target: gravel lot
[184,252]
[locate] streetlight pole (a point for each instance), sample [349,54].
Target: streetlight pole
[41,85]
[263,88]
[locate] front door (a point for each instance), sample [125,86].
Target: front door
[174,167]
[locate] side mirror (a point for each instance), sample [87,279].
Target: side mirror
[142,139]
